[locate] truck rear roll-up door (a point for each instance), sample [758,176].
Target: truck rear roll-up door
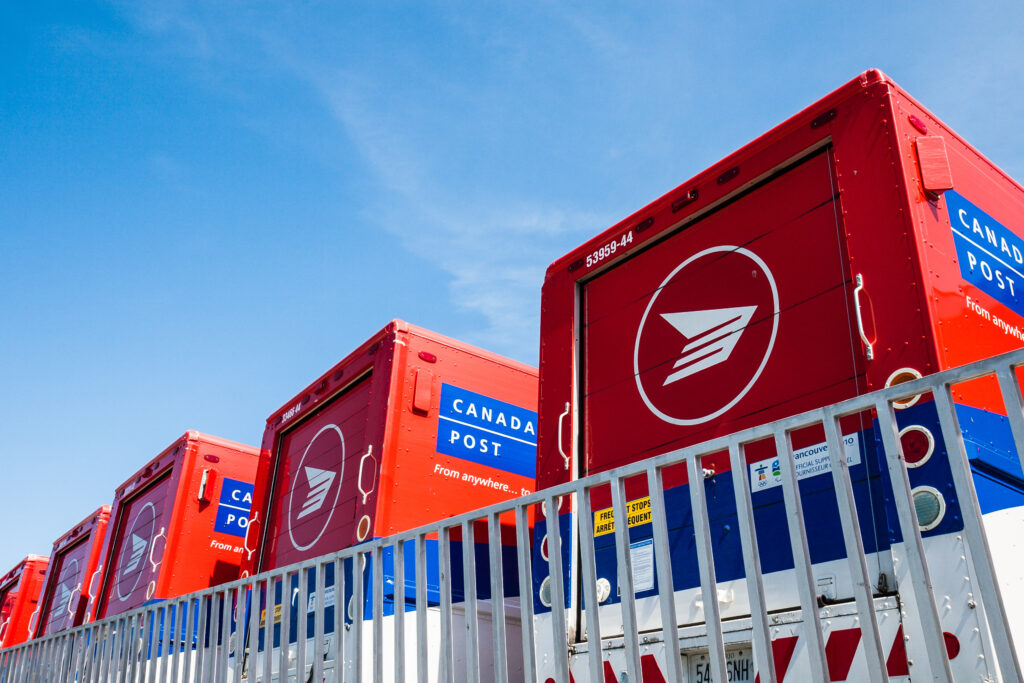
[136,562]
[735,320]
[316,504]
[61,606]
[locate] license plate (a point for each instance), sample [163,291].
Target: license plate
[739,666]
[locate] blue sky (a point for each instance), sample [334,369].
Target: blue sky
[205,205]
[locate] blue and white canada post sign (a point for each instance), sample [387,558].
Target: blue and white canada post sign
[487,431]
[991,255]
[233,507]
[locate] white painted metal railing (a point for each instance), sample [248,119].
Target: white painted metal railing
[228,633]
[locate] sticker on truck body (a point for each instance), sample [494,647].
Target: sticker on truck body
[991,255]
[638,512]
[487,431]
[233,507]
[810,461]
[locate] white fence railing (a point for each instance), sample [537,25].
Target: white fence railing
[442,602]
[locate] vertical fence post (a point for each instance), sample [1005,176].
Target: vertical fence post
[469,603]
[525,566]
[625,574]
[706,567]
[920,577]
[855,556]
[495,567]
[801,556]
[963,482]
[320,602]
[559,617]
[399,609]
[422,597]
[588,575]
[284,652]
[445,588]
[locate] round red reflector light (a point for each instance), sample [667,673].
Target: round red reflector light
[917,443]
[952,645]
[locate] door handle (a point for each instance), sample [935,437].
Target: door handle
[869,350]
[368,455]
[561,419]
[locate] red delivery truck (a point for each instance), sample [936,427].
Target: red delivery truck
[409,428]
[178,524]
[858,245]
[70,577]
[19,598]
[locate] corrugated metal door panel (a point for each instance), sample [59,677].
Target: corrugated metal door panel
[315,494]
[736,320]
[131,571]
[57,611]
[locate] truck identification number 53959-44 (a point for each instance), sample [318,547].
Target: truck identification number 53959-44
[609,249]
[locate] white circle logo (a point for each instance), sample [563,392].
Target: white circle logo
[706,335]
[318,475]
[133,550]
[69,578]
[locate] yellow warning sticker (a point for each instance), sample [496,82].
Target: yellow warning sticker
[637,512]
[277,615]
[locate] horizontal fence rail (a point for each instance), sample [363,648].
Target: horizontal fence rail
[475,597]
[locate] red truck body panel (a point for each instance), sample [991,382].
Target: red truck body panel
[733,300]
[178,524]
[70,575]
[409,428]
[19,598]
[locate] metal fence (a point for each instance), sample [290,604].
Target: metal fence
[442,602]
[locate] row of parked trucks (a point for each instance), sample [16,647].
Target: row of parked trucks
[859,245]
[411,426]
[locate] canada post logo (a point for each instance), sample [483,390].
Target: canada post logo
[487,431]
[62,609]
[233,507]
[133,551]
[706,335]
[991,255]
[315,487]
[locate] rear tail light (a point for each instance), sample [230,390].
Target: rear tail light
[952,644]
[930,507]
[917,444]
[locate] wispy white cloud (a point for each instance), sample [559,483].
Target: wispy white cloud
[493,246]
[495,250]
[173,17]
